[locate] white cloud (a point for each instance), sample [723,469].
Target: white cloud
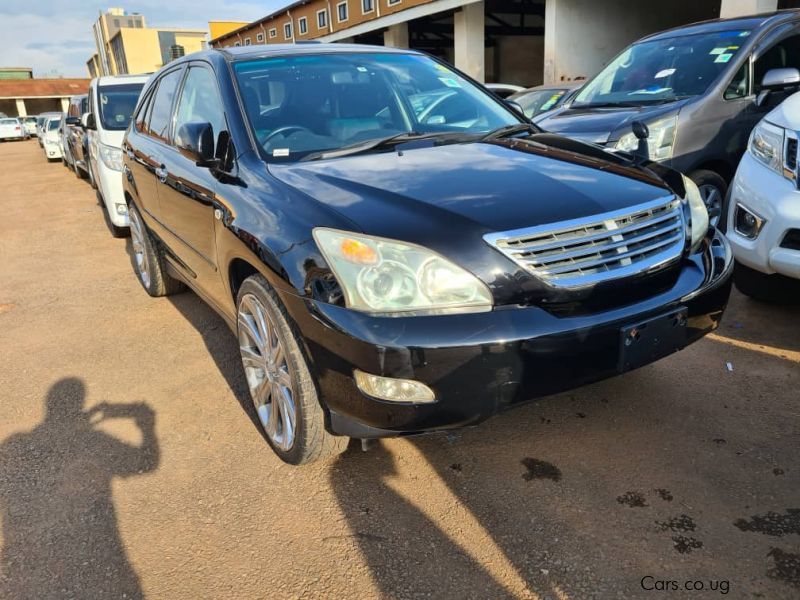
[55,36]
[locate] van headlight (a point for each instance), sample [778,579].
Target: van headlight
[766,145]
[387,276]
[698,212]
[111,157]
[660,142]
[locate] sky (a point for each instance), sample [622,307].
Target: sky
[54,37]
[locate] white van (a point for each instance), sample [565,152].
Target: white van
[111,104]
[763,208]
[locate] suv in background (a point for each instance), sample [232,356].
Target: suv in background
[75,136]
[700,89]
[111,104]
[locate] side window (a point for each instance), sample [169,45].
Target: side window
[161,111]
[141,114]
[740,83]
[785,53]
[200,101]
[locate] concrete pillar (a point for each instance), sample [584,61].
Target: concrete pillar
[64,104]
[468,29]
[741,8]
[396,36]
[21,112]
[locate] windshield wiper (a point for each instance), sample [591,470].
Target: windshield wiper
[374,144]
[506,130]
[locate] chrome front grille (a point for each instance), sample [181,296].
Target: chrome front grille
[586,251]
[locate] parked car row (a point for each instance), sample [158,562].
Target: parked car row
[399,250]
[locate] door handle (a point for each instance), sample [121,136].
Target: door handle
[161,173]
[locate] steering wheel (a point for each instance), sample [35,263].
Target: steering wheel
[286,129]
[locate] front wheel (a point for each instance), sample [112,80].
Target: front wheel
[281,384]
[148,259]
[712,189]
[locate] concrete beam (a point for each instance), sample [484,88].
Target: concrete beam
[396,36]
[468,34]
[741,8]
[21,112]
[64,104]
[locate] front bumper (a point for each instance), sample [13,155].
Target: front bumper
[776,200]
[52,150]
[480,363]
[110,183]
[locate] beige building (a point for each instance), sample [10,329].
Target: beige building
[523,42]
[125,45]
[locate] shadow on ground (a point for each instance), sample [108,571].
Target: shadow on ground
[60,533]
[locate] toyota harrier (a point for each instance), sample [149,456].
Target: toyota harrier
[399,251]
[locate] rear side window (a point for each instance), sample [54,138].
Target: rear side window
[161,111]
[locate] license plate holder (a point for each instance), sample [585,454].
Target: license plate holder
[648,340]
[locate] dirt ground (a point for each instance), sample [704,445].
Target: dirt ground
[130,468]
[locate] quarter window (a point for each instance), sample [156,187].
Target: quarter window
[142,112]
[161,113]
[341,12]
[738,87]
[322,19]
[200,101]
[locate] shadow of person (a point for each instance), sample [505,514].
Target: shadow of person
[60,535]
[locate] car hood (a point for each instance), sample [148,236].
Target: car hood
[601,125]
[495,186]
[786,113]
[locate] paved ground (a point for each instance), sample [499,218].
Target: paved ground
[129,467]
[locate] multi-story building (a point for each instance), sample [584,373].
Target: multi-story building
[525,42]
[126,45]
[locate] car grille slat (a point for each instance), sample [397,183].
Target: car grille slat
[610,246]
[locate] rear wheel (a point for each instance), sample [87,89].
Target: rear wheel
[281,384]
[712,189]
[775,289]
[148,259]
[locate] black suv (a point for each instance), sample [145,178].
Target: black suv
[399,251]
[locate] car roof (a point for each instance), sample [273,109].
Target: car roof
[302,48]
[561,85]
[121,79]
[750,23]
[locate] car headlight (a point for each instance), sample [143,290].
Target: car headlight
[698,212]
[386,276]
[766,145]
[111,157]
[660,142]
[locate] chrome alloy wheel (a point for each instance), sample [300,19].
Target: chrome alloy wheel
[267,372]
[139,248]
[712,198]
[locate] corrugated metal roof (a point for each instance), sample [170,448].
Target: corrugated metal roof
[42,88]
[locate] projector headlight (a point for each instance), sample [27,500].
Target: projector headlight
[698,212]
[387,276]
[660,142]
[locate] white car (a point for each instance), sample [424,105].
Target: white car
[52,138]
[40,121]
[12,128]
[30,125]
[763,209]
[111,104]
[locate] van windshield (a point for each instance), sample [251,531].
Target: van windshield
[298,105]
[116,104]
[663,70]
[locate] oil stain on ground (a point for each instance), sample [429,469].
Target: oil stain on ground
[665,494]
[539,469]
[684,544]
[632,499]
[680,523]
[772,523]
[786,567]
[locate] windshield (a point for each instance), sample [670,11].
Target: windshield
[663,70]
[116,104]
[52,124]
[302,104]
[535,103]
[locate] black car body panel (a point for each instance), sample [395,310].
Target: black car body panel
[258,216]
[712,131]
[75,135]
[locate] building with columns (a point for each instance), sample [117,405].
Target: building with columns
[523,42]
[22,97]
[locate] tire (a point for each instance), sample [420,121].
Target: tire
[707,181]
[148,259]
[261,315]
[773,289]
[78,173]
[92,182]
[116,231]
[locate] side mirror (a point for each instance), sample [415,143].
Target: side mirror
[72,121]
[87,121]
[195,140]
[777,79]
[642,132]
